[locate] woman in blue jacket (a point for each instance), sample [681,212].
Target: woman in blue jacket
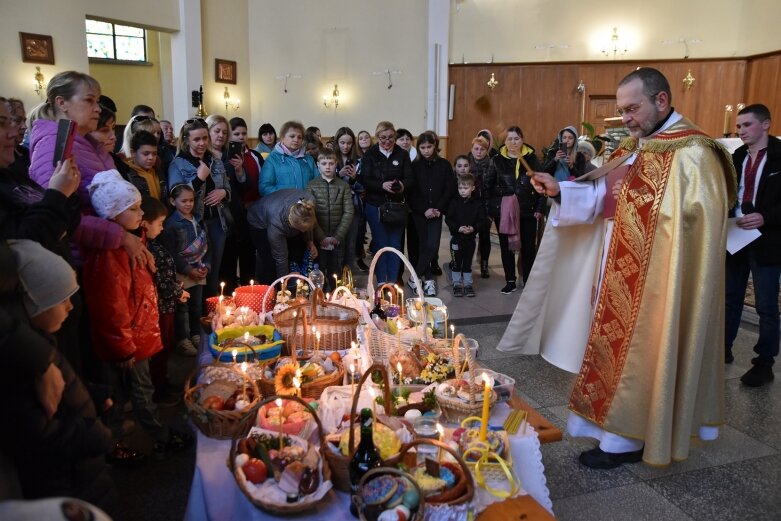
[288,166]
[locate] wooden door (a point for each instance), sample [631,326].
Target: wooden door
[601,107]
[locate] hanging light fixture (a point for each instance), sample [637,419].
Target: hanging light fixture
[333,100]
[230,103]
[39,86]
[618,47]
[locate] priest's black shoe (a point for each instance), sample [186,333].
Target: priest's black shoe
[758,376]
[596,458]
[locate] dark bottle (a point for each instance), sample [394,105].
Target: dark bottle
[378,311]
[366,456]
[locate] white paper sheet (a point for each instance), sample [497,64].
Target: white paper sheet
[738,238]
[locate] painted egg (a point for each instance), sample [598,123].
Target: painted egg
[411,499]
[412,414]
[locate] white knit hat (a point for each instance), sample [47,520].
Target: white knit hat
[46,277]
[111,195]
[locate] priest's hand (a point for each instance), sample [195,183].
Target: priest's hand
[545,184]
[751,221]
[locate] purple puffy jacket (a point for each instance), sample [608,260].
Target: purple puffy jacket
[93,232]
[89,156]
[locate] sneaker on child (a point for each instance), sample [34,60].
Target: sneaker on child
[458,290]
[469,291]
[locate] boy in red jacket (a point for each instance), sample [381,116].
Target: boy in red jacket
[122,304]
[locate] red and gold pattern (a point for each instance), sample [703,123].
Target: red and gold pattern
[624,277]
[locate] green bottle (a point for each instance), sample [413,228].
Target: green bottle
[366,456]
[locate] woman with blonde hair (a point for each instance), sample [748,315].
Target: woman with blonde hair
[196,165]
[386,174]
[281,227]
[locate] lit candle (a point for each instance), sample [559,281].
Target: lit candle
[219,301]
[234,353]
[401,299]
[297,385]
[314,335]
[227,312]
[251,282]
[727,113]
[233,295]
[244,380]
[486,408]
[327,296]
[317,339]
[453,334]
[222,287]
[246,337]
[336,281]
[441,431]
[279,405]
[445,326]
[352,385]
[401,377]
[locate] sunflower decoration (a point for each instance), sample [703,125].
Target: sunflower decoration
[284,381]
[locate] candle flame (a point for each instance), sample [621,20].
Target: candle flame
[295,314]
[398,366]
[296,382]
[228,311]
[440,429]
[251,282]
[278,401]
[244,367]
[222,285]
[220,299]
[487,380]
[317,335]
[234,353]
[352,368]
[233,294]
[372,393]
[246,336]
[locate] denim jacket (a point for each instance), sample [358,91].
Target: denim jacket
[182,170]
[178,234]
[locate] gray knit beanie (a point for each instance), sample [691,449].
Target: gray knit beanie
[47,279]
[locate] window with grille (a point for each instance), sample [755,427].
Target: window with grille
[110,41]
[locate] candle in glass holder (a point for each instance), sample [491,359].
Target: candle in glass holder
[279,406]
[486,408]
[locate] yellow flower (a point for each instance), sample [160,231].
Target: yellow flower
[283,381]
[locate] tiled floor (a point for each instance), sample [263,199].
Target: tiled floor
[734,478]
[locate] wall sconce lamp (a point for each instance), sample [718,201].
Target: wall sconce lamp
[39,86]
[492,83]
[230,103]
[618,47]
[333,100]
[689,80]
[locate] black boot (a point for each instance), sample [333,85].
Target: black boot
[484,269]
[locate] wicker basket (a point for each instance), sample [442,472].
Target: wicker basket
[310,390]
[340,465]
[217,424]
[381,343]
[417,515]
[336,324]
[454,409]
[282,281]
[462,492]
[291,508]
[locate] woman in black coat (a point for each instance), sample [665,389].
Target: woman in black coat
[507,176]
[386,175]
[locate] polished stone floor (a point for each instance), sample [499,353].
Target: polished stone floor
[737,477]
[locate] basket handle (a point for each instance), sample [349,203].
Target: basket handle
[413,274]
[338,291]
[395,460]
[318,297]
[469,361]
[283,280]
[393,292]
[385,397]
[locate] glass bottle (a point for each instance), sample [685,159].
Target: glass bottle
[366,456]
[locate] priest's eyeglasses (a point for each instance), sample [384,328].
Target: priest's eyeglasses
[631,110]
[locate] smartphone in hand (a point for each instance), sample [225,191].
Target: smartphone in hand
[63,146]
[235,148]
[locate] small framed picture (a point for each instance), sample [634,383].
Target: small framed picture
[37,48]
[225,71]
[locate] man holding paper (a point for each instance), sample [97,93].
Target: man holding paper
[652,374]
[758,163]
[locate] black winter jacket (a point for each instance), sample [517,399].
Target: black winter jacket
[435,184]
[500,181]
[466,212]
[377,169]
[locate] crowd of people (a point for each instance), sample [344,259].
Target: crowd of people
[109,254]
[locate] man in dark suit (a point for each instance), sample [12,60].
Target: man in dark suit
[758,164]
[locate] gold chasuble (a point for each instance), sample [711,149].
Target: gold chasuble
[654,364]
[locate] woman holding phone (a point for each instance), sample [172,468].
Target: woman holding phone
[197,165]
[348,167]
[563,161]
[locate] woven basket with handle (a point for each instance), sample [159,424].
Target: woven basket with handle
[453,408]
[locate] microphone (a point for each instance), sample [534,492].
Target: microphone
[747,207]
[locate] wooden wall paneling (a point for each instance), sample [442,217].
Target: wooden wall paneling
[763,85]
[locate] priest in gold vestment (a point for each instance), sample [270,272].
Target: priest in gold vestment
[652,374]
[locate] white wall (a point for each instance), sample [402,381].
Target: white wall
[64,21]
[571,30]
[344,42]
